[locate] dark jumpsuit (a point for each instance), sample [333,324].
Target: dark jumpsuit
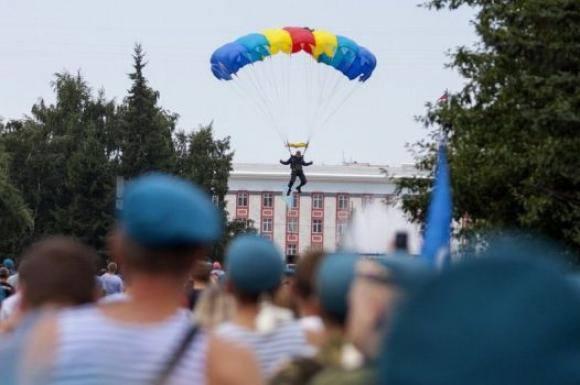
[296,162]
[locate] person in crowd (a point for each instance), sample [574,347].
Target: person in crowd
[255,268]
[401,243]
[10,265]
[165,226]
[57,272]
[111,282]
[284,295]
[200,277]
[491,321]
[13,278]
[307,300]
[334,278]
[379,288]
[214,306]
[6,289]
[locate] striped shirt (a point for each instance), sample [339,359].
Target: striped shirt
[272,349]
[94,349]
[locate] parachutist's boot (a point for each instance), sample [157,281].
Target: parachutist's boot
[299,189]
[289,191]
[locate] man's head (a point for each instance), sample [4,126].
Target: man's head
[201,271]
[112,268]
[333,282]
[165,225]
[298,153]
[9,264]
[58,271]
[4,274]
[254,266]
[376,292]
[305,282]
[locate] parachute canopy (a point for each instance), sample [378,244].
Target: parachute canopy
[339,52]
[296,78]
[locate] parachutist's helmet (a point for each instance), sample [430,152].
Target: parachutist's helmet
[298,153]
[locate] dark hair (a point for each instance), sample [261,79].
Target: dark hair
[58,270]
[306,269]
[176,260]
[201,271]
[112,267]
[4,273]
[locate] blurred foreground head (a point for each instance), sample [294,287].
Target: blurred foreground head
[254,266]
[488,321]
[333,283]
[380,286]
[58,271]
[305,282]
[166,223]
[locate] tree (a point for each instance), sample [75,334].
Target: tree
[145,128]
[514,128]
[208,161]
[61,162]
[15,216]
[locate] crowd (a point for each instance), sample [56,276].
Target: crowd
[163,313]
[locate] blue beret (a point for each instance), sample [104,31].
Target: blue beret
[333,280]
[254,264]
[8,263]
[487,321]
[160,210]
[406,271]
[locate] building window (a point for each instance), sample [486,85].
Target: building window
[267,225]
[267,200]
[341,228]
[291,249]
[316,226]
[243,224]
[317,201]
[295,201]
[342,202]
[292,225]
[243,199]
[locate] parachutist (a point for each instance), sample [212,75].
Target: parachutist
[296,162]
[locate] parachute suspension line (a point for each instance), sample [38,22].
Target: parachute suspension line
[349,94]
[259,93]
[330,98]
[273,81]
[255,102]
[313,70]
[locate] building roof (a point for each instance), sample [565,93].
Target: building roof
[354,178]
[346,172]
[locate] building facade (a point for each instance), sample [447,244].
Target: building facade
[320,216]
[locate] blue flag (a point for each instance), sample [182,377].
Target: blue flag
[439,214]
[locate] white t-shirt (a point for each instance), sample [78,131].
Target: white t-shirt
[272,348]
[95,350]
[9,306]
[311,323]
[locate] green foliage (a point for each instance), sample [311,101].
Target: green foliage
[60,162]
[58,167]
[514,128]
[15,216]
[208,162]
[145,128]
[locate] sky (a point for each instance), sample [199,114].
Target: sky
[39,38]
